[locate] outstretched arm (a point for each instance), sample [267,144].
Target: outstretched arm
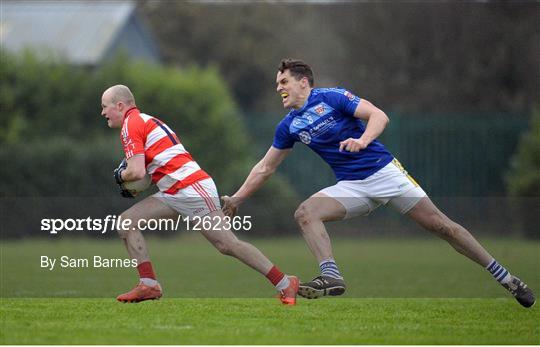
[376,119]
[260,173]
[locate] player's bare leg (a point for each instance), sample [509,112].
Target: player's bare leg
[148,287]
[431,218]
[227,243]
[149,208]
[310,216]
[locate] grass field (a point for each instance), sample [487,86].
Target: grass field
[399,292]
[263,321]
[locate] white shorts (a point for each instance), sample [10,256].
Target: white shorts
[390,185]
[198,199]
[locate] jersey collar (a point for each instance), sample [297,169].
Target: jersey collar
[133,110]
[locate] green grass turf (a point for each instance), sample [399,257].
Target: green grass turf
[399,292]
[190,267]
[265,321]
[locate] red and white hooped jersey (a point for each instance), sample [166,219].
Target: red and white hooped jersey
[167,161]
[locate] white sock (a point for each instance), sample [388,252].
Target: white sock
[499,272]
[284,283]
[149,281]
[329,268]
[506,279]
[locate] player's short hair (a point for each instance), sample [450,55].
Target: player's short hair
[297,68]
[122,93]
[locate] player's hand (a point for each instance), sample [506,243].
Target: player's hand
[118,172]
[230,205]
[118,178]
[352,145]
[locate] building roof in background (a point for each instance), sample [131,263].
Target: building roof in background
[82,31]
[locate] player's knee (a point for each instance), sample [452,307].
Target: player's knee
[122,231]
[443,227]
[123,234]
[305,214]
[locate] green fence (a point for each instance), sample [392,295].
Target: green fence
[450,155]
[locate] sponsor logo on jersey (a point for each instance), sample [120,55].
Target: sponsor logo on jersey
[309,117]
[126,140]
[319,110]
[128,144]
[305,137]
[324,124]
[302,122]
[296,122]
[349,95]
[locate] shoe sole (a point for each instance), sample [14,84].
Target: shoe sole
[290,303]
[312,293]
[526,304]
[136,301]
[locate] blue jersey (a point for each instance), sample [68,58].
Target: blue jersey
[326,119]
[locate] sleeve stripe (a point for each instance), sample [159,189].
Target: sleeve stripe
[162,126]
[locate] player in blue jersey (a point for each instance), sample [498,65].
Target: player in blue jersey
[330,121]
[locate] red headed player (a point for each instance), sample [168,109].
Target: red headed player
[152,147]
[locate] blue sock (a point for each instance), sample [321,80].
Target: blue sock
[330,269]
[498,272]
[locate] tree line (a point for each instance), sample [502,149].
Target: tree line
[403,56]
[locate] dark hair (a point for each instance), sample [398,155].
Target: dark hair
[298,69]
